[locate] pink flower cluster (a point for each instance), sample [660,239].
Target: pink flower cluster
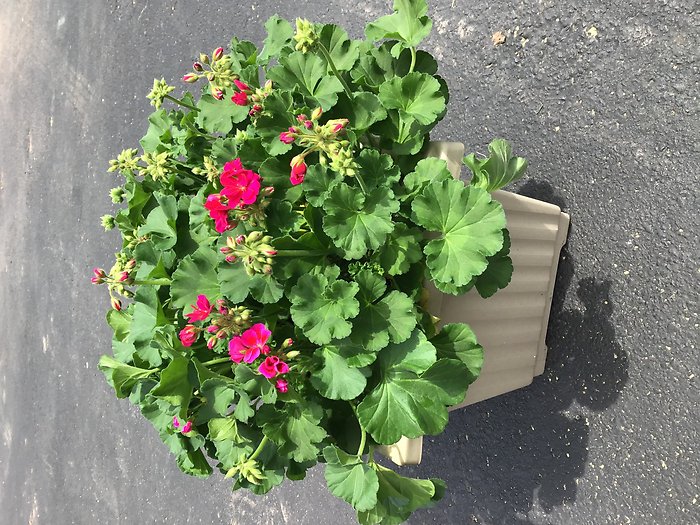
[250,345]
[186,427]
[241,98]
[200,311]
[240,188]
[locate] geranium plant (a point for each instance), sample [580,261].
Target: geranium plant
[280,226]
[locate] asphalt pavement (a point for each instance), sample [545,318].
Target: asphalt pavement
[600,96]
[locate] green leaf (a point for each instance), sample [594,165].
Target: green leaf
[236,284]
[356,222]
[223,150]
[308,73]
[221,429]
[255,384]
[276,118]
[219,116]
[400,250]
[377,169]
[377,65]
[158,124]
[294,428]
[426,171]
[458,341]
[119,321]
[409,23]
[195,275]
[470,224]
[199,217]
[498,272]
[336,379]
[362,111]
[290,267]
[160,222]
[498,169]
[404,403]
[219,394]
[144,322]
[266,289]
[174,386]
[322,309]
[417,95]
[398,497]
[279,37]
[318,183]
[343,51]
[350,479]
[121,376]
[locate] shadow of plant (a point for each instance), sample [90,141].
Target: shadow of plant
[501,456]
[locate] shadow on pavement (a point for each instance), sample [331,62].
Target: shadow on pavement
[501,456]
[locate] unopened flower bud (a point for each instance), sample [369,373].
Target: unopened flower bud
[116,304]
[301,118]
[240,239]
[225,250]
[308,124]
[287,343]
[292,354]
[204,59]
[268,85]
[316,114]
[117,194]
[187,428]
[255,236]
[230,258]
[210,76]
[108,222]
[197,66]
[123,276]
[211,342]
[217,94]
[190,78]
[131,264]
[217,54]
[268,190]
[267,269]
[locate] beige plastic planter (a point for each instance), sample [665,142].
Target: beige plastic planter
[512,324]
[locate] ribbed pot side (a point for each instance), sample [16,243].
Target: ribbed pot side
[512,324]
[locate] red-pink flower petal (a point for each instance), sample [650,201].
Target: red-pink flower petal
[242,85]
[282,386]
[188,335]
[297,174]
[239,98]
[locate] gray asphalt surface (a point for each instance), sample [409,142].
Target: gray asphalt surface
[600,96]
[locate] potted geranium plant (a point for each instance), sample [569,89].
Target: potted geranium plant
[279,230]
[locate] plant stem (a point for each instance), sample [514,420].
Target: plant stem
[361,182]
[328,58]
[260,448]
[182,103]
[154,282]
[413,59]
[363,440]
[217,361]
[299,253]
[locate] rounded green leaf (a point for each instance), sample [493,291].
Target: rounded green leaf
[350,479]
[417,95]
[470,224]
[195,275]
[336,379]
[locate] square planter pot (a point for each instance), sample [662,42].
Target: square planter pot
[512,324]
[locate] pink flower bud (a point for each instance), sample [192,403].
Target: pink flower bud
[301,118]
[242,85]
[123,277]
[240,239]
[225,250]
[176,423]
[308,124]
[99,272]
[116,304]
[316,114]
[270,253]
[268,85]
[190,78]
[131,264]
[298,171]
[187,428]
[197,66]
[240,98]
[211,342]
[217,94]
[212,329]
[287,137]
[288,342]
[282,386]
[217,54]
[230,258]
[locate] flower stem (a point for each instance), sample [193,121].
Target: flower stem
[363,440]
[217,361]
[328,58]
[154,282]
[182,103]
[361,182]
[413,59]
[260,448]
[299,253]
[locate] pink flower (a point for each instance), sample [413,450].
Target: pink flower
[248,346]
[187,427]
[176,422]
[242,85]
[200,311]
[239,98]
[218,210]
[298,173]
[188,335]
[241,186]
[288,137]
[282,386]
[273,366]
